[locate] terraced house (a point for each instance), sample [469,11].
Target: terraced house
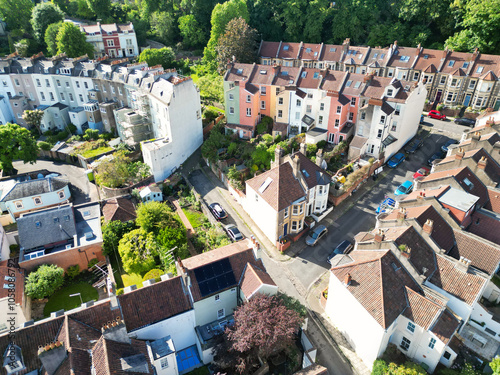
[133,100]
[453,78]
[381,113]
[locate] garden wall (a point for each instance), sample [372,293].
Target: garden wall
[116,192]
[85,163]
[67,258]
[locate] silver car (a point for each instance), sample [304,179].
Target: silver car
[315,235]
[233,232]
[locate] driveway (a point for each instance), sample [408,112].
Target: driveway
[82,190]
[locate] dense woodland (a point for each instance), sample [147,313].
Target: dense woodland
[195,25]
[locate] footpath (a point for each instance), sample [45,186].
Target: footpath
[312,295]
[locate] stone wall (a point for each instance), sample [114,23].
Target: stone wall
[116,192]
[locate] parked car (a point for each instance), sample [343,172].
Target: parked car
[233,232]
[422,172]
[448,143]
[413,145]
[396,160]
[343,248]
[386,205]
[217,210]
[405,188]
[436,115]
[436,156]
[316,234]
[465,121]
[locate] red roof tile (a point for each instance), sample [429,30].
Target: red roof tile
[289,50]
[269,49]
[429,57]
[118,209]
[253,278]
[485,226]
[445,326]
[494,200]
[15,276]
[421,310]
[170,300]
[310,51]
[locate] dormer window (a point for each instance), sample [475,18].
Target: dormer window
[389,92]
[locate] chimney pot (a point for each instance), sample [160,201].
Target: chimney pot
[347,279]
[481,164]
[401,214]
[379,236]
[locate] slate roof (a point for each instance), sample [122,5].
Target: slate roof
[253,278]
[486,225]
[465,286]
[377,285]
[422,256]
[118,209]
[282,191]
[56,225]
[170,300]
[482,255]
[358,141]
[315,175]
[35,187]
[239,254]
[492,168]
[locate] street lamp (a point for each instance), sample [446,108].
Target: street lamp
[79,295]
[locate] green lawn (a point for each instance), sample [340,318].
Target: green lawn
[132,279]
[199,371]
[212,108]
[61,299]
[194,217]
[101,150]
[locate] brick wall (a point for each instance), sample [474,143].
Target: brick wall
[67,258]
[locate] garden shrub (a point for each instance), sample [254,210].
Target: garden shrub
[321,144]
[155,273]
[73,271]
[45,146]
[14,250]
[119,291]
[92,262]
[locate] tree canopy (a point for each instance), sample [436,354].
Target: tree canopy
[139,251]
[51,37]
[153,216]
[44,281]
[163,56]
[33,118]
[16,142]
[239,41]
[112,233]
[16,13]
[72,42]
[43,15]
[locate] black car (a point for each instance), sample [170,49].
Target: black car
[436,156]
[343,248]
[413,145]
[465,121]
[448,143]
[217,210]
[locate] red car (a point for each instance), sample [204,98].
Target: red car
[424,171]
[436,115]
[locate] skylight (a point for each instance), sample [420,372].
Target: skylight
[357,84]
[308,50]
[86,213]
[38,224]
[465,65]
[304,172]
[285,48]
[479,69]
[265,184]
[304,74]
[426,57]
[375,56]
[382,55]
[404,58]
[263,72]
[315,54]
[349,83]
[333,49]
[239,71]
[284,73]
[316,75]
[451,63]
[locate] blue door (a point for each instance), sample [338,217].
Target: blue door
[467,100]
[285,229]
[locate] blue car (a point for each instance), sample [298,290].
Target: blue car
[405,188]
[396,160]
[386,205]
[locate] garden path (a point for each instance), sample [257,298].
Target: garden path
[187,224]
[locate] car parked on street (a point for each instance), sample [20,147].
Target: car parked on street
[217,210]
[234,233]
[436,156]
[465,121]
[316,234]
[343,248]
[396,160]
[436,115]
[448,143]
[405,188]
[422,172]
[413,145]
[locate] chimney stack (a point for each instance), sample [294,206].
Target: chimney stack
[490,122]
[481,164]
[277,157]
[347,279]
[421,196]
[379,236]
[319,158]
[401,216]
[116,331]
[460,154]
[463,264]
[296,166]
[428,226]
[52,356]
[303,149]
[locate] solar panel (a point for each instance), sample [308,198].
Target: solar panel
[215,277]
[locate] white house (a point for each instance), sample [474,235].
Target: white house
[388,116]
[151,193]
[278,200]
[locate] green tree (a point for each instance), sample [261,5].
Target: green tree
[216,140]
[169,238]
[221,15]
[44,281]
[481,22]
[16,13]
[191,32]
[73,42]
[261,156]
[112,233]
[22,47]
[211,88]
[139,251]
[16,142]
[100,7]
[43,15]
[51,37]
[33,118]
[162,26]
[495,365]
[239,41]
[153,216]
[164,56]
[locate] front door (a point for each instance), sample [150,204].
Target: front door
[438,96]
[467,100]
[285,229]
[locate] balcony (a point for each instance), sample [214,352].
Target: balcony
[207,332]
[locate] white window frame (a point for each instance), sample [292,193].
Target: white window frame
[382,119]
[339,109]
[410,327]
[39,199]
[353,102]
[231,110]
[405,344]
[262,104]
[249,112]
[18,205]
[249,99]
[285,214]
[321,106]
[61,194]
[231,97]
[164,363]
[221,313]
[280,113]
[280,101]
[217,298]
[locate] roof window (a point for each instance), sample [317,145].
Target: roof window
[86,213]
[38,224]
[263,72]
[357,84]
[239,71]
[284,73]
[333,49]
[375,55]
[479,69]
[451,63]
[316,75]
[304,74]
[426,57]
[308,50]
[349,83]
[465,65]
[265,184]
[285,48]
